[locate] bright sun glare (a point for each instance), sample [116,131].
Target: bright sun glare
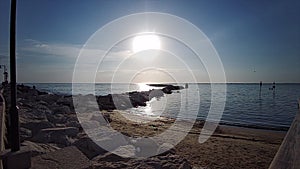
[145,42]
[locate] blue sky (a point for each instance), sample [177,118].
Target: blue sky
[249,35]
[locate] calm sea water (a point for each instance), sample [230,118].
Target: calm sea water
[245,106]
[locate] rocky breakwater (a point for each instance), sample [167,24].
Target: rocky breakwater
[133,99]
[48,122]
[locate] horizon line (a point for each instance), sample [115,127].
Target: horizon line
[165,82]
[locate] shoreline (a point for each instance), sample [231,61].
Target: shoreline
[271,129]
[140,98]
[231,129]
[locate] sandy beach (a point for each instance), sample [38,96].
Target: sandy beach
[229,147]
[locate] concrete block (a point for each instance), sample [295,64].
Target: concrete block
[16,160]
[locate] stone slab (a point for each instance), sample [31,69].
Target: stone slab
[66,158]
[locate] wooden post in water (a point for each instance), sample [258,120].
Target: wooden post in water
[273,87]
[260,85]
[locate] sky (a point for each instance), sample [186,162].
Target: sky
[256,40]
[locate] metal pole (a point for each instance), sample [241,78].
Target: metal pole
[14,115]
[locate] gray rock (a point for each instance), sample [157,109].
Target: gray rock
[61,109]
[107,117]
[49,98]
[97,117]
[25,134]
[43,109]
[91,124]
[72,117]
[68,131]
[43,103]
[66,158]
[35,118]
[107,138]
[58,140]
[66,101]
[57,118]
[88,147]
[185,165]
[35,125]
[59,136]
[59,125]
[145,147]
[166,148]
[126,151]
[32,114]
[109,157]
[39,148]
[73,124]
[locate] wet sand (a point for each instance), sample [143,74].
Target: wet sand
[228,147]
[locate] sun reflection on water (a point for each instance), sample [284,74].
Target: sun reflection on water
[144,87]
[153,109]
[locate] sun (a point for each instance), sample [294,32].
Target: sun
[145,42]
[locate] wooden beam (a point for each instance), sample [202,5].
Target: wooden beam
[288,155]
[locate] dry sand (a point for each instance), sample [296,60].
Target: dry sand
[228,147]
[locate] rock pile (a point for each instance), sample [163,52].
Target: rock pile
[48,122]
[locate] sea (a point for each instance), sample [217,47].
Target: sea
[246,105]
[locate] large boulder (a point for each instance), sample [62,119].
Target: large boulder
[65,158]
[91,124]
[25,134]
[139,98]
[167,90]
[60,136]
[49,98]
[65,100]
[61,109]
[38,148]
[73,124]
[57,118]
[68,131]
[145,147]
[106,102]
[109,157]
[155,93]
[166,148]
[36,125]
[36,112]
[89,147]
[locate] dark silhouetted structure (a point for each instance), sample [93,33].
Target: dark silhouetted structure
[13,112]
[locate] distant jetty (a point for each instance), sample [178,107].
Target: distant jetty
[167,88]
[108,102]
